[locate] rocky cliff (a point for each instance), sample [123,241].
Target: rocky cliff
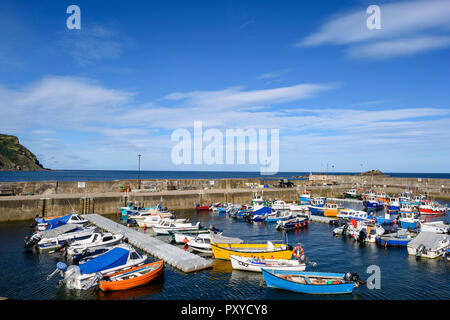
[14,156]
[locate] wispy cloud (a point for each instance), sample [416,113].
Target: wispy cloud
[406,28]
[91,44]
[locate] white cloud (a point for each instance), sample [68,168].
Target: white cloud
[407,28]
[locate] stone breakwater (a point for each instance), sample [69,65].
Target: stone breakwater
[24,200]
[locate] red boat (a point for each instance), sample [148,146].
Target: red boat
[199,207]
[430,207]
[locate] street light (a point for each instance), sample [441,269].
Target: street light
[139,172]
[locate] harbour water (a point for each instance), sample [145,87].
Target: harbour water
[403,277]
[108,175]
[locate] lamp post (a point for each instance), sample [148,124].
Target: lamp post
[139,172]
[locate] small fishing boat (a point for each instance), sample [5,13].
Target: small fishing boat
[95,240]
[255,264]
[267,250]
[318,201]
[166,225]
[305,198]
[372,203]
[386,219]
[348,214]
[198,207]
[293,223]
[72,218]
[367,232]
[45,241]
[297,207]
[332,209]
[260,214]
[352,194]
[409,222]
[184,236]
[400,238]
[88,254]
[153,220]
[429,245]
[429,207]
[435,226]
[132,278]
[311,282]
[280,205]
[278,215]
[393,204]
[88,274]
[201,243]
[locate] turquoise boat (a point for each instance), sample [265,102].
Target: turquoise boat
[311,282]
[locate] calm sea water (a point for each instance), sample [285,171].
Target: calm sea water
[402,276]
[107,175]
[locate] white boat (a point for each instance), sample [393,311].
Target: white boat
[429,245]
[298,207]
[255,264]
[49,242]
[94,241]
[201,243]
[72,218]
[367,232]
[85,276]
[435,226]
[153,220]
[348,214]
[278,215]
[280,205]
[166,225]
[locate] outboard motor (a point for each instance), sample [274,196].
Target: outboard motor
[351,277]
[362,236]
[421,249]
[344,230]
[30,241]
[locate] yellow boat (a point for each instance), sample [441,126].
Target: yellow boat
[331,210]
[266,250]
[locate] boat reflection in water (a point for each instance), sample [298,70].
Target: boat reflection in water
[153,288]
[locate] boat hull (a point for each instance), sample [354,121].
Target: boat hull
[240,263]
[136,281]
[223,251]
[273,281]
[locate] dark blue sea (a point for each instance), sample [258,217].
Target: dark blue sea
[108,175]
[403,277]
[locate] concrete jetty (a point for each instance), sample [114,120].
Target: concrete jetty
[172,255]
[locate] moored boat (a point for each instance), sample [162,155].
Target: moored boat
[429,245]
[95,240]
[311,282]
[88,274]
[293,223]
[267,250]
[255,264]
[132,278]
[166,225]
[72,218]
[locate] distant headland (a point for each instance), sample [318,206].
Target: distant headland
[15,157]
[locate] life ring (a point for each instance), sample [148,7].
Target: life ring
[185,240]
[296,250]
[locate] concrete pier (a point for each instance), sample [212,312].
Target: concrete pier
[172,255]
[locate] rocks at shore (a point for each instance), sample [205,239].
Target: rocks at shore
[15,157]
[374,173]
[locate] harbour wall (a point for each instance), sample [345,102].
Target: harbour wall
[51,198]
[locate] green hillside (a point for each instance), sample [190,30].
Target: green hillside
[14,156]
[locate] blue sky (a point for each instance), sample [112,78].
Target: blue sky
[138,70]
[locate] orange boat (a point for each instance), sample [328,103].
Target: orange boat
[133,277]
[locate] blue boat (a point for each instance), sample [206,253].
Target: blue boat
[260,215]
[293,223]
[311,282]
[400,238]
[387,219]
[278,216]
[54,223]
